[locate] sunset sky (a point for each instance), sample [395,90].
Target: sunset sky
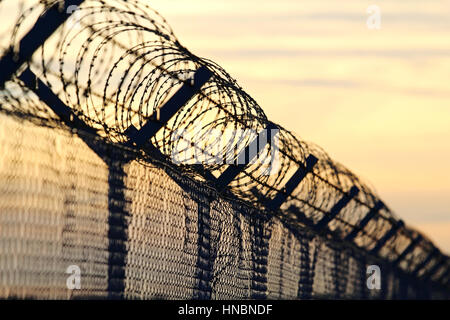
[377,100]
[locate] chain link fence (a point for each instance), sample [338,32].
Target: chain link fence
[94,97]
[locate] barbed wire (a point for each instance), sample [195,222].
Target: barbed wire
[116,63]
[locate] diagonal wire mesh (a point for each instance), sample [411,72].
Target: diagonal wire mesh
[115,64]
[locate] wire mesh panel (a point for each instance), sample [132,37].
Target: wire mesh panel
[129,161]
[54,213]
[162,228]
[283,264]
[183,240]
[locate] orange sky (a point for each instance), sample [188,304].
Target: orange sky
[376,100]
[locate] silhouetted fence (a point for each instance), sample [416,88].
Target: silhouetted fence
[172,182]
